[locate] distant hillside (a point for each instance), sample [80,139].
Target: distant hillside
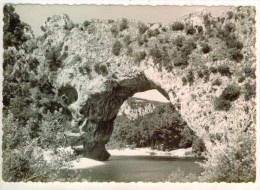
[137,107]
[146,123]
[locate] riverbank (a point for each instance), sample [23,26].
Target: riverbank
[149,152]
[83,163]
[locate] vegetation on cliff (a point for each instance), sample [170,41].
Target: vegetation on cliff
[215,58]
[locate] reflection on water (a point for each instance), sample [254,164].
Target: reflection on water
[140,168]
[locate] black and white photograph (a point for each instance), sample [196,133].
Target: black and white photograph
[137,93]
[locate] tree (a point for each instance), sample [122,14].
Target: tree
[13,34]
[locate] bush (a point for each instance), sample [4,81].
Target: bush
[86,23]
[177,26]
[250,90]
[231,93]
[153,33]
[180,61]
[230,15]
[235,54]
[116,48]
[224,70]
[190,30]
[222,104]
[156,54]
[129,51]
[205,48]
[213,70]
[114,30]
[188,46]
[190,77]
[52,57]
[200,74]
[184,81]
[23,156]
[241,79]
[139,56]
[249,72]
[233,164]
[127,40]
[101,70]
[179,41]
[141,40]
[123,24]
[198,146]
[216,82]
[91,29]
[200,29]
[142,28]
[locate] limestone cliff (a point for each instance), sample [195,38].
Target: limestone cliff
[99,64]
[136,107]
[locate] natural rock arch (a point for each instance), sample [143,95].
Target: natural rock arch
[101,80]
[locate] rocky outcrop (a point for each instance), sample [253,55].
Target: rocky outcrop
[133,108]
[103,64]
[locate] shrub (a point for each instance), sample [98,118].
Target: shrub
[249,72]
[86,23]
[200,74]
[206,73]
[231,93]
[190,77]
[235,54]
[241,79]
[222,104]
[153,33]
[198,146]
[230,15]
[156,54]
[200,29]
[139,56]
[190,30]
[142,28]
[110,21]
[250,90]
[180,61]
[114,30]
[184,81]
[86,69]
[235,163]
[101,69]
[216,82]
[91,29]
[177,26]
[224,70]
[180,176]
[52,57]
[123,24]
[141,40]
[213,70]
[127,40]
[129,51]
[205,48]
[179,41]
[116,48]
[188,46]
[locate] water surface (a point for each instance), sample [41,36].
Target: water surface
[140,168]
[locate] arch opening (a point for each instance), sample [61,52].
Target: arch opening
[149,120]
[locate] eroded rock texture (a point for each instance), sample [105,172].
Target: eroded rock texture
[94,77]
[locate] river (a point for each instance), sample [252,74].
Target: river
[139,168]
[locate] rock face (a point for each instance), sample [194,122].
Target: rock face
[103,64]
[135,107]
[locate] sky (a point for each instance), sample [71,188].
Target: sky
[36,15]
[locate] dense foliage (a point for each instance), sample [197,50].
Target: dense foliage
[32,110]
[162,129]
